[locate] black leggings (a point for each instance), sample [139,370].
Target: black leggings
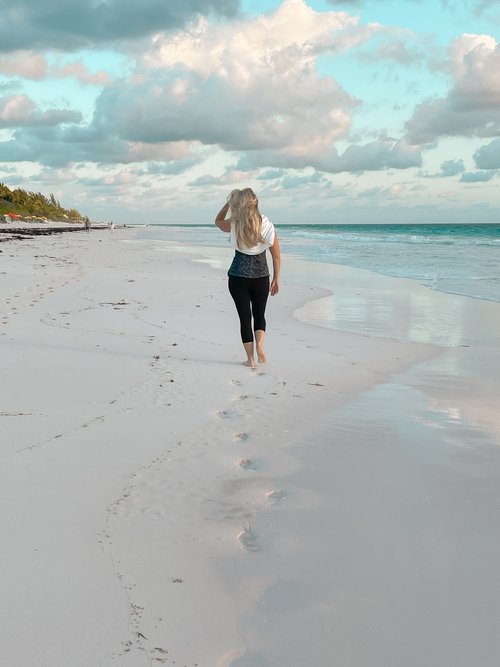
[246,291]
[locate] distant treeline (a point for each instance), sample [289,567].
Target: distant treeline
[25,203]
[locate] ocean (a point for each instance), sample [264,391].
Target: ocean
[459,259]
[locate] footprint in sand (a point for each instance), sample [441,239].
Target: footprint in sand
[275,498]
[247,464]
[241,436]
[248,539]
[237,383]
[223,414]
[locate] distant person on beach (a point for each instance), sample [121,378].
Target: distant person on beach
[87,224]
[251,234]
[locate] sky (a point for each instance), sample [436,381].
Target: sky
[333,112]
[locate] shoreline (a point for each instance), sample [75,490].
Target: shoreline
[162,502]
[25,230]
[185,233]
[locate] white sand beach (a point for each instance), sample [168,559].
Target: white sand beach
[163,504]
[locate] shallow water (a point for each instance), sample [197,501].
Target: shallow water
[461,259]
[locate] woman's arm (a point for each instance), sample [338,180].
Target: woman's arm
[221,222]
[276,255]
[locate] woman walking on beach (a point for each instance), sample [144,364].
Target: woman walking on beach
[251,234]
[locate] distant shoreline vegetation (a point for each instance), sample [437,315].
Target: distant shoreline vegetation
[34,204]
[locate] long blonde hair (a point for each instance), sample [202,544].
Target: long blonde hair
[246,216]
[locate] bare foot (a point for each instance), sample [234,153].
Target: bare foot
[250,363]
[261,356]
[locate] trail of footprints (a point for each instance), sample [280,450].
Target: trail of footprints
[30,295]
[136,502]
[275,498]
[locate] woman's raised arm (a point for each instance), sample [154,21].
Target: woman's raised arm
[221,222]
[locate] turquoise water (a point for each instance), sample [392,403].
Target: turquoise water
[461,259]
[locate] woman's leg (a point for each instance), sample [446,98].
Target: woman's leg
[259,345]
[259,294]
[239,290]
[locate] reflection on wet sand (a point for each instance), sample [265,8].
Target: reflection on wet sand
[462,383]
[368,303]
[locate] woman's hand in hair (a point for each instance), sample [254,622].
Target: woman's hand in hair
[221,222]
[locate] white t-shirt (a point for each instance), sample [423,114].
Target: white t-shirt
[267,231]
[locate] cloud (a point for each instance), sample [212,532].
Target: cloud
[20,111]
[78,71]
[398,51]
[359,3]
[292,181]
[26,64]
[249,85]
[125,177]
[72,25]
[478,7]
[270,174]
[448,168]
[488,157]
[452,167]
[397,45]
[57,147]
[215,113]
[483,6]
[377,155]
[174,167]
[54,176]
[286,179]
[293,30]
[477,176]
[245,86]
[472,105]
[35,66]
[8,86]
[382,193]
[230,177]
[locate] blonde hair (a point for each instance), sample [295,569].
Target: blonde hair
[246,216]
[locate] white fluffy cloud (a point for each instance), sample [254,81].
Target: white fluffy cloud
[251,85]
[270,41]
[248,85]
[472,105]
